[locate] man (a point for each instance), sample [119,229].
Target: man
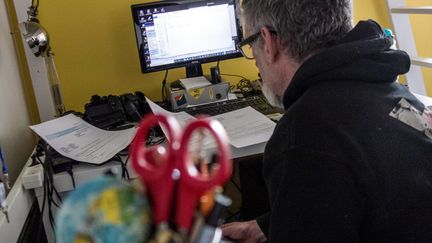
[338,167]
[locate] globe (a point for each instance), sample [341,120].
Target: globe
[104,210]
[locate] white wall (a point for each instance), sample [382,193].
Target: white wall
[15,137]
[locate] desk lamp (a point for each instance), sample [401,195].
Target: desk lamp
[37,39]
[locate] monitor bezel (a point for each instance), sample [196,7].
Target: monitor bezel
[144,69]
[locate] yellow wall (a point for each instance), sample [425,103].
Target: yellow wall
[377,9]
[422,29]
[96,53]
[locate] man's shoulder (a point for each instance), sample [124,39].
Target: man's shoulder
[338,101]
[332,114]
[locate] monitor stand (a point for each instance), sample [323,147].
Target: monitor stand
[194,69]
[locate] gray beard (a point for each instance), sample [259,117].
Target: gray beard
[272,98]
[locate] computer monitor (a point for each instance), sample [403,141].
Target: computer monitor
[185,33]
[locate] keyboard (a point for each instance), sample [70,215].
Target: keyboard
[258,102]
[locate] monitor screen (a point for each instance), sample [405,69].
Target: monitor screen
[182,33]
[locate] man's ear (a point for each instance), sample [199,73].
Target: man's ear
[271,45]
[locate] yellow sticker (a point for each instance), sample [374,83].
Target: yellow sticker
[196,93]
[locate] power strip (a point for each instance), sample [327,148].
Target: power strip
[33,177]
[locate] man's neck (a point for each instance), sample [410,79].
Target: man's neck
[288,67]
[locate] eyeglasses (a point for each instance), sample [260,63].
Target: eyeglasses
[245,46]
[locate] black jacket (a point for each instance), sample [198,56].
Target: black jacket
[338,168]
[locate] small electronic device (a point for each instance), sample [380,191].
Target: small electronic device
[184,33]
[180,98]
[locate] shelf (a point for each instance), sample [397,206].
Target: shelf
[412,10]
[422,61]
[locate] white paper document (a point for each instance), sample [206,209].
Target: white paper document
[182,117]
[245,126]
[74,138]
[193,83]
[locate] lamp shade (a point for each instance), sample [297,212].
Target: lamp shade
[35,36]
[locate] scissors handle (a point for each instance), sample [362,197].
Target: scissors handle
[155,164]
[192,184]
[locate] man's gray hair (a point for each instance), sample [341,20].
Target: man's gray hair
[303,26]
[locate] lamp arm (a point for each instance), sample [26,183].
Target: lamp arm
[55,83]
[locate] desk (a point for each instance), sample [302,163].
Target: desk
[84,172]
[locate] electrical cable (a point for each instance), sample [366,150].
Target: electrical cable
[70,172]
[163,85]
[127,160]
[125,165]
[47,194]
[153,138]
[43,199]
[48,158]
[233,75]
[35,7]
[245,86]
[50,192]
[51,196]
[48,174]
[125,172]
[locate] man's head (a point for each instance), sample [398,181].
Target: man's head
[290,31]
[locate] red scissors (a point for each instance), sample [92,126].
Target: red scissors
[160,167]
